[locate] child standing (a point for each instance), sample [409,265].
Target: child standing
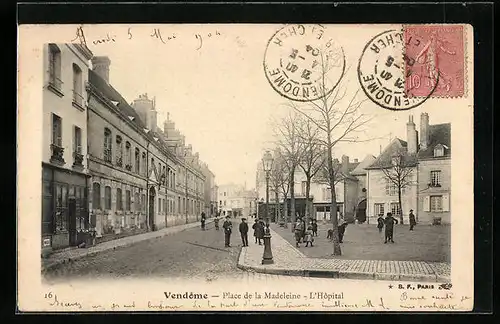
[314,227]
[380,223]
[308,237]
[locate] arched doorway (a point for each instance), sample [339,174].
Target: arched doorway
[361,211]
[152,196]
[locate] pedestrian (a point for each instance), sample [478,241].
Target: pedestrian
[341,228]
[203,220]
[304,226]
[255,230]
[228,228]
[244,231]
[413,222]
[216,222]
[314,227]
[308,238]
[389,222]
[298,232]
[261,231]
[380,222]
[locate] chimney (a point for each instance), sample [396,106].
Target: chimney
[100,64]
[356,160]
[411,136]
[345,163]
[424,130]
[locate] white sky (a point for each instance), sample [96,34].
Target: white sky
[218,95]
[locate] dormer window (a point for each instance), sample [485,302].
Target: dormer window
[438,150]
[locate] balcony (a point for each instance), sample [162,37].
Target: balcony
[78,100]
[77,160]
[55,85]
[57,156]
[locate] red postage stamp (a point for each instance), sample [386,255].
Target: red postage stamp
[435,60]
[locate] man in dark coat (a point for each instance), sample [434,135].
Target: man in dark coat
[341,229]
[413,222]
[244,232]
[203,220]
[389,222]
[228,228]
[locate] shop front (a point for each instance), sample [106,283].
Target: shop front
[65,220]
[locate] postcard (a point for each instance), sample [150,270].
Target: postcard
[245,167]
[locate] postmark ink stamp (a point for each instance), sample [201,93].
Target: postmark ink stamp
[438,51]
[303,62]
[382,76]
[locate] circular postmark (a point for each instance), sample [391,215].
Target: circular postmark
[386,73]
[303,62]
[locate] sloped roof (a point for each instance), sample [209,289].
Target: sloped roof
[384,160]
[438,134]
[366,162]
[110,94]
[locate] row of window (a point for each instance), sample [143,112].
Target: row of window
[124,159]
[379,209]
[435,201]
[55,81]
[139,202]
[57,139]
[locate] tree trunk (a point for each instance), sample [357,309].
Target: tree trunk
[400,207]
[333,207]
[285,209]
[277,214]
[308,189]
[292,195]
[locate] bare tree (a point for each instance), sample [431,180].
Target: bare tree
[278,178]
[313,158]
[400,175]
[338,116]
[291,148]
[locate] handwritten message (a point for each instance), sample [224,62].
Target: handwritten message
[269,300]
[155,33]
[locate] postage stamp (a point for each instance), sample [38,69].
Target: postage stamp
[294,61]
[438,60]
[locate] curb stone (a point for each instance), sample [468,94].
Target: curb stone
[51,265]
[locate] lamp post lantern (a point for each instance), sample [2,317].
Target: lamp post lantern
[267,163]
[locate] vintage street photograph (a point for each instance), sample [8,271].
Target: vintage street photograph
[318,155]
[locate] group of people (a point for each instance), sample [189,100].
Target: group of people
[389,222]
[305,233]
[258,230]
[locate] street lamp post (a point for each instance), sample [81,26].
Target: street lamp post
[267,257]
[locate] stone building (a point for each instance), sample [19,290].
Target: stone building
[428,191]
[135,187]
[209,191]
[434,173]
[65,177]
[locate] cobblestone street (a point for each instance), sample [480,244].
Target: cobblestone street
[191,253]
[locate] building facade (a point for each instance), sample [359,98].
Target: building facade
[139,181]
[349,191]
[427,190]
[209,191]
[65,176]
[434,173]
[228,198]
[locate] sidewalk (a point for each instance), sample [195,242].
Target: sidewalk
[290,261]
[67,255]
